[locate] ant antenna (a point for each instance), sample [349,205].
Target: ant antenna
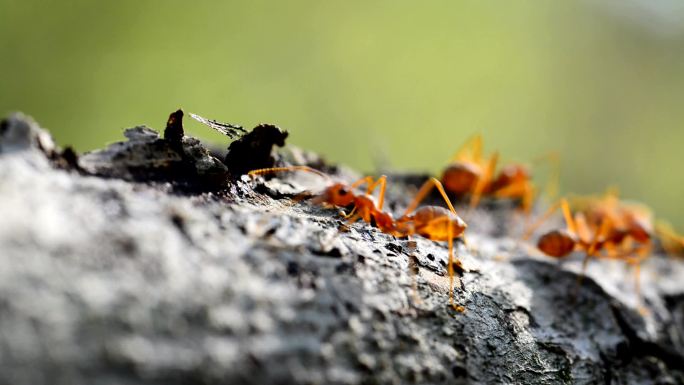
[273,170]
[553,179]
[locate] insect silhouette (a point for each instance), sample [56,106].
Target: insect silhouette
[604,227]
[432,222]
[472,174]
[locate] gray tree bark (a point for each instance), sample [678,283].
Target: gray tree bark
[146,262]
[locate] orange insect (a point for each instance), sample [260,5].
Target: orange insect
[341,195]
[469,173]
[601,228]
[431,222]
[434,223]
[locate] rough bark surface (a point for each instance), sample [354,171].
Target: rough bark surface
[145,263]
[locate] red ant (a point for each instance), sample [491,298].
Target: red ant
[602,228]
[469,173]
[431,222]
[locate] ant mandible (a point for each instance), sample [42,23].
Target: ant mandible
[431,222]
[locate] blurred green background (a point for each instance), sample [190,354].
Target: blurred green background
[372,84]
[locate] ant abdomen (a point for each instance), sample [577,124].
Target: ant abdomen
[437,223]
[461,177]
[557,243]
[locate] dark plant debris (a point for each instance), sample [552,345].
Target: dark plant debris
[255,149]
[174,132]
[182,160]
[230,130]
[145,157]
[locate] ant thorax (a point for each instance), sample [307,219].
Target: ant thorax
[511,173]
[384,221]
[366,201]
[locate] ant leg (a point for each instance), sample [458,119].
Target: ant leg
[580,277]
[637,283]
[637,288]
[414,270]
[372,185]
[583,272]
[452,260]
[471,149]
[483,181]
[522,190]
[583,232]
[642,254]
[366,179]
[382,182]
[612,194]
[569,221]
[591,251]
[450,269]
[424,191]
[351,213]
[602,232]
[611,250]
[477,147]
[545,217]
[634,258]
[528,199]
[353,218]
[552,185]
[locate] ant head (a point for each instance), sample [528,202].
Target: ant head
[338,195]
[557,243]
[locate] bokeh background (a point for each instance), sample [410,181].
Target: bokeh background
[372,84]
